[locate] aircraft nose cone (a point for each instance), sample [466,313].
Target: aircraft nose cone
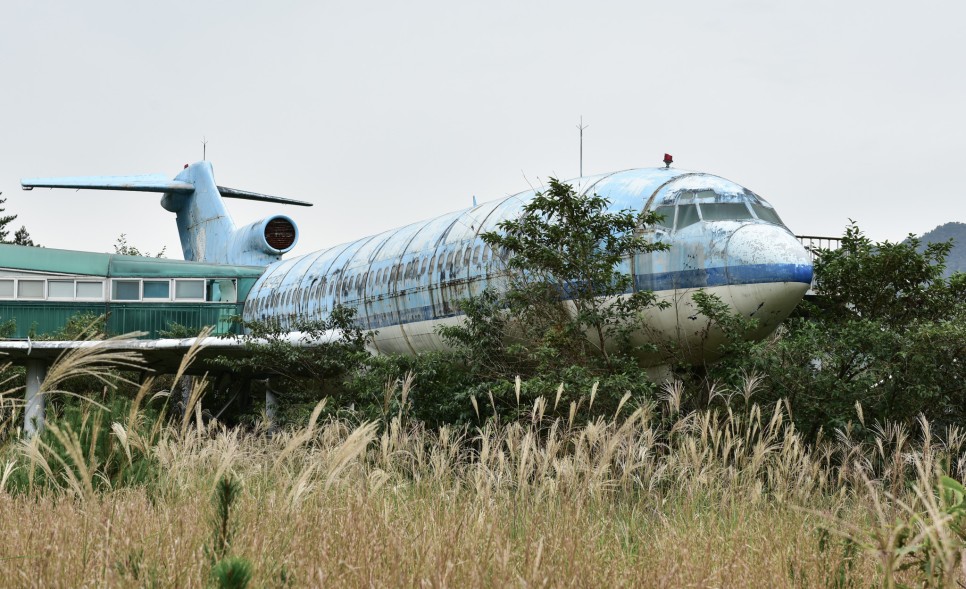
[768,273]
[766,253]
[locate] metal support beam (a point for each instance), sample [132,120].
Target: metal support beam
[33,415]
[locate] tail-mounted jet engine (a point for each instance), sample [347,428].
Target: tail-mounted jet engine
[207,231]
[273,236]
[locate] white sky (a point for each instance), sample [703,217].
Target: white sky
[385,113]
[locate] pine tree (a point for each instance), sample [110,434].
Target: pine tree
[22,237]
[4,221]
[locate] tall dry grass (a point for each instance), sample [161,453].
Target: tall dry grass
[728,497]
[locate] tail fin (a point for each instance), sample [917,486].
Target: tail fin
[206,229]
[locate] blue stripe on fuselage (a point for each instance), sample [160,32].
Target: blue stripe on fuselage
[683,279]
[723,276]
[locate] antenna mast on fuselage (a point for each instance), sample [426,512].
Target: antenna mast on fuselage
[581,127]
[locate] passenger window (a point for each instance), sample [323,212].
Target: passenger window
[687,215]
[667,217]
[157,289]
[724,211]
[767,214]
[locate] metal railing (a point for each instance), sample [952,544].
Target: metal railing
[45,318]
[814,243]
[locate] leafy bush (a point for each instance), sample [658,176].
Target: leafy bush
[887,331]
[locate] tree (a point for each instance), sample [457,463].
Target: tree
[887,331]
[122,247]
[21,237]
[568,247]
[567,309]
[301,373]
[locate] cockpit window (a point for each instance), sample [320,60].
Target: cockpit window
[687,215]
[681,208]
[724,211]
[704,195]
[767,214]
[667,217]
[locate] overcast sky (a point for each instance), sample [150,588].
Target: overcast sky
[385,113]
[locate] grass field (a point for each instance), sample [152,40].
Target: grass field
[650,497]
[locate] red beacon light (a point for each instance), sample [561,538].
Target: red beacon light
[668,160]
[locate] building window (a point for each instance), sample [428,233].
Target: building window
[223,291]
[90,289]
[157,289]
[126,290]
[187,290]
[30,289]
[60,289]
[6,289]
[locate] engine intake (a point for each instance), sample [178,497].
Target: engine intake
[280,233]
[264,241]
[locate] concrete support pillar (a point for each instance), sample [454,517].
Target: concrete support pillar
[33,415]
[184,387]
[271,403]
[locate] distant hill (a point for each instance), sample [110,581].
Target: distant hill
[956,261]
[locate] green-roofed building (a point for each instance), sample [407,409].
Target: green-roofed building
[41,288]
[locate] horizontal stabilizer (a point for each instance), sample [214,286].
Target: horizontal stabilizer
[146,183]
[245,195]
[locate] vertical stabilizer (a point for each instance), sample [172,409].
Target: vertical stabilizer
[204,225]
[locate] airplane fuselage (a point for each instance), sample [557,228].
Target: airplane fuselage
[404,283]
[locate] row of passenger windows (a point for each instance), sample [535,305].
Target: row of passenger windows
[454,259]
[121,289]
[689,214]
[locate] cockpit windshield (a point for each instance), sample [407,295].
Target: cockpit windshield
[687,207]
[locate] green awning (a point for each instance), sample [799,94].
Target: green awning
[43,259]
